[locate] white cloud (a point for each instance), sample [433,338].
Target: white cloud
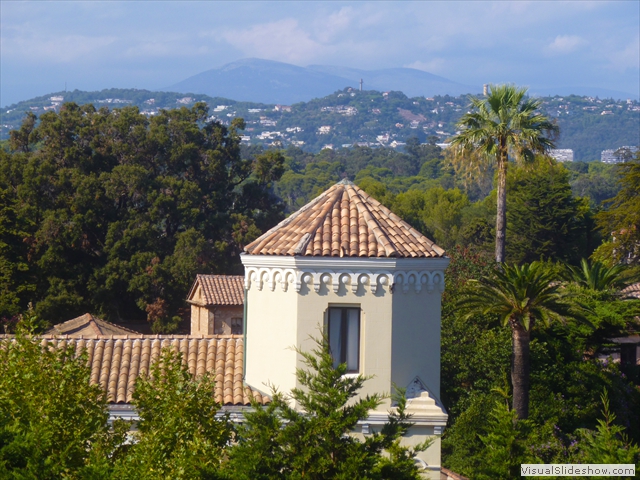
[628,57]
[435,65]
[282,40]
[329,28]
[564,44]
[168,45]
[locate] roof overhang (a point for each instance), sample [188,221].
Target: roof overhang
[356,263]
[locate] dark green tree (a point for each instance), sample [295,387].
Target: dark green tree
[114,213]
[53,421]
[520,296]
[621,220]
[545,220]
[178,435]
[312,440]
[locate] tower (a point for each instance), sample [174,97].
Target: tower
[347,266]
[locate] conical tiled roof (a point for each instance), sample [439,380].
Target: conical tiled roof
[344,221]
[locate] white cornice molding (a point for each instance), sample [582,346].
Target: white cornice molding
[344,263]
[404,280]
[401,273]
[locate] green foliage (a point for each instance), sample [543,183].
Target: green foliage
[178,435]
[565,375]
[608,443]
[544,220]
[504,124]
[30,323]
[595,180]
[52,419]
[504,445]
[306,434]
[518,295]
[596,276]
[437,212]
[505,119]
[475,356]
[622,218]
[607,316]
[113,212]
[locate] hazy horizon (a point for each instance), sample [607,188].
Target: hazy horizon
[149,45]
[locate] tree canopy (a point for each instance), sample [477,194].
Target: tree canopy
[622,219]
[114,213]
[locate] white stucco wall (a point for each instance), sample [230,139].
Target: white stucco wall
[271,332]
[400,302]
[375,327]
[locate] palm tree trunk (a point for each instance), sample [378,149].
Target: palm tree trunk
[501,218]
[520,369]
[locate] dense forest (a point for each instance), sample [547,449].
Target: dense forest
[113,212]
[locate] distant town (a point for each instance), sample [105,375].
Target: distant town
[592,128]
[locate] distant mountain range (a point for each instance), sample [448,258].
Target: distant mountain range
[266,81]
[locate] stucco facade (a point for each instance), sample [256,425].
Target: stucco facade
[287,299]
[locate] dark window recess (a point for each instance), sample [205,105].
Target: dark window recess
[236,326]
[344,337]
[628,354]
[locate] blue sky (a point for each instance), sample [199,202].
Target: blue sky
[147,44]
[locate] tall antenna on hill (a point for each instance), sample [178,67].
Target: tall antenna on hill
[360,84]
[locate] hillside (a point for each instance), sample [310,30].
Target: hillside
[368,118]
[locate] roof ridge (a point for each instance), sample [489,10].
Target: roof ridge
[377,231]
[414,233]
[269,233]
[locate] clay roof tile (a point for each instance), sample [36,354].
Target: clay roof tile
[219,289]
[344,221]
[117,361]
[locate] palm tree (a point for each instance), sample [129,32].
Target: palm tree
[521,296]
[504,124]
[596,276]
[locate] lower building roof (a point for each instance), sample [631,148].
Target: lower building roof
[88,325]
[117,361]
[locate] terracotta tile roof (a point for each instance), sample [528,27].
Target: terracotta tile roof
[117,361]
[344,221]
[88,325]
[632,291]
[219,289]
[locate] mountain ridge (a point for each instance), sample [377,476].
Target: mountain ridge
[269,81]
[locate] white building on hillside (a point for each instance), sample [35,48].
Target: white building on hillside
[561,154]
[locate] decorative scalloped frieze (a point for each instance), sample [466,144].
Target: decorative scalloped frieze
[415,280]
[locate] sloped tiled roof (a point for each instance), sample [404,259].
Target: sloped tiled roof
[117,361]
[88,325]
[344,221]
[631,292]
[219,289]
